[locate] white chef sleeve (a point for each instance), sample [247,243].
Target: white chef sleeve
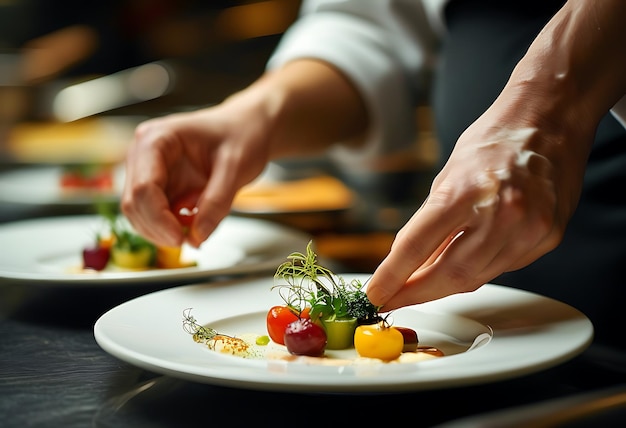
[385,47]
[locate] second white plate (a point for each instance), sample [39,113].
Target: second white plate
[49,251]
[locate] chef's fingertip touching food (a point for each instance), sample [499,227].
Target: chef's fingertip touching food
[321,313]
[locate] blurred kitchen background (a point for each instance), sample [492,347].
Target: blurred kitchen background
[76,77]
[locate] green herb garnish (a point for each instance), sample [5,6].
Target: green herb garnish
[328,295]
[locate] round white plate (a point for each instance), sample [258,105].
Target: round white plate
[41,186]
[50,251]
[493,333]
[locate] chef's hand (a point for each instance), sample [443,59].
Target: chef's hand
[502,200]
[514,178]
[300,109]
[214,151]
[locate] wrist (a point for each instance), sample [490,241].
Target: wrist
[575,69]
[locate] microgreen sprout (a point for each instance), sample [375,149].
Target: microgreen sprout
[307,283]
[200,333]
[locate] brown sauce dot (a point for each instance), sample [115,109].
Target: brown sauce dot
[430,350]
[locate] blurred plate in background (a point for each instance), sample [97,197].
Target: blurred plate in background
[41,185]
[48,252]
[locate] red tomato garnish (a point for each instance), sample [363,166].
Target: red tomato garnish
[185,208]
[278,318]
[304,337]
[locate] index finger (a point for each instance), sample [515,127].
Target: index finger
[417,245]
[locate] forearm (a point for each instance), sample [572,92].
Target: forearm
[308,106]
[575,70]
[385,47]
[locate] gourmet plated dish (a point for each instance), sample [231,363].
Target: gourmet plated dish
[323,319]
[119,247]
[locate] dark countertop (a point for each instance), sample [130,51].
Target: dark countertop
[54,374]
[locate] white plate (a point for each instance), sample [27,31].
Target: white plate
[41,186]
[50,250]
[491,334]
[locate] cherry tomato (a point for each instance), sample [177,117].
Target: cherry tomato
[185,209]
[378,341]
[278,318]
[304,337]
